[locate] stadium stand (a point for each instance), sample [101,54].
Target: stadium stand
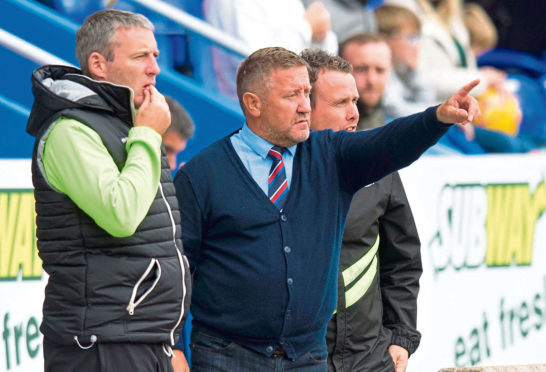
[213,114]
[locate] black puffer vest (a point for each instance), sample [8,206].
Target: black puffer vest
[102,288]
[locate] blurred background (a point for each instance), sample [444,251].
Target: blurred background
[478,196]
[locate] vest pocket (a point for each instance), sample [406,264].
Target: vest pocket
[151,274]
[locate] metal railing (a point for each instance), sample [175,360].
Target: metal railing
[197,26]
[187,21]
[29,50]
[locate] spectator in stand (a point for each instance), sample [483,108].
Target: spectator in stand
[447,58]
[497,129]
[263,23]
[500,110]
[482,31]
[374,327]
[349,17]
[371,58]
[179,132]
[406,92]
[520,24]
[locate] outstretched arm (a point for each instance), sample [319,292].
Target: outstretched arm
[399,143]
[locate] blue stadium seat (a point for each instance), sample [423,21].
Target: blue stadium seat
[200,54]
[374,4]
[171,37]
[48,3]
[513,61]
[529,73]
[455,139]
[532,100]
[14,141]
[77,10]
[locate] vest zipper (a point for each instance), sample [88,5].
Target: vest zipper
[181,260]
[132,303]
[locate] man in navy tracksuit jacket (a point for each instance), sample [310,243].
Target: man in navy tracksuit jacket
[265,276]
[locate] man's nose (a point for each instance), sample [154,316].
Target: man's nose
[352,113]
[153,67]
[304,104]
[172,161]
[371,77]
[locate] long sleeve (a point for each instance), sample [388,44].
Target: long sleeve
[77,163]
[400,268]
[381,151]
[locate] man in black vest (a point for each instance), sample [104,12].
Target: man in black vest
[107,216]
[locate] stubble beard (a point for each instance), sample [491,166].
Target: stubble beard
[288,139]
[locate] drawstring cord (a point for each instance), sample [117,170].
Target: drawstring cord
[93,339]
[168,350]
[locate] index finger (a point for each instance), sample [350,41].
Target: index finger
[153,91]
[157,94]
[464,91]
[147,96]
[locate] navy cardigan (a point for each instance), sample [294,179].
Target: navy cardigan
[266,278]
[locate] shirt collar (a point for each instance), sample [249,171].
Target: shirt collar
[259,145]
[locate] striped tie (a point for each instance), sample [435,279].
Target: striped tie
[278,184]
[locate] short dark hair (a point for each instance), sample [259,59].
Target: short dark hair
[253,72]
[320,60]
[181,122]
[361,39]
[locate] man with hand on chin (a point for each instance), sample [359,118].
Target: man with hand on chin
[108,225]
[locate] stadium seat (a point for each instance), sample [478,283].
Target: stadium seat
[527,75]
[77,10]
[532,99]
[513,61]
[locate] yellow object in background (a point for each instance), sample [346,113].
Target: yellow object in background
[500,111]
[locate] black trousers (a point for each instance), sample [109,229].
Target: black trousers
[106,357]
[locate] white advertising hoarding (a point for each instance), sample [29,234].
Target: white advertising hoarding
[21,277]
[482,225]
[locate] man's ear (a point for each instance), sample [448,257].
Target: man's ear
[253,104]
[97,66]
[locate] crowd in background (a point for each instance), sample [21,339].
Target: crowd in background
[435,46]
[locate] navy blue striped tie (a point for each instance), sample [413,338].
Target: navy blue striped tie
[278,184]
